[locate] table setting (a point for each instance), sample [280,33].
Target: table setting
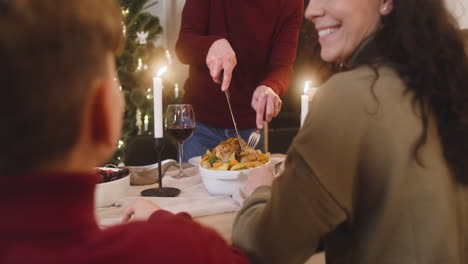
[207,185]
[194,198]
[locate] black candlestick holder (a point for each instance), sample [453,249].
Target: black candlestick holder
[160,191]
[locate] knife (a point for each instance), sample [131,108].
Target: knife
[230,110]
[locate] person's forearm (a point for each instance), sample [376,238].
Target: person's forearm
[247,223]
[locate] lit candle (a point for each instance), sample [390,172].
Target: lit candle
[157,98]
[145,123]
[176,90]
[305,99]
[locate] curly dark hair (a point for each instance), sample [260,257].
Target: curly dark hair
[423,41]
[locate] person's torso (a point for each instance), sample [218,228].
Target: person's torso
[403,212]
[251,28]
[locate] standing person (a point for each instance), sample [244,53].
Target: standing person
[253,44]
[62,117]
[379,171]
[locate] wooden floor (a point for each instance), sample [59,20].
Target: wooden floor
[223,224]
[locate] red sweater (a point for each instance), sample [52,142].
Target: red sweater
[262,33]
[50,219]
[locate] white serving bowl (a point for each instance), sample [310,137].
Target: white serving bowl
[224,182]
[107,193]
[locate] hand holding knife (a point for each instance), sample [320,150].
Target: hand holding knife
[230,110]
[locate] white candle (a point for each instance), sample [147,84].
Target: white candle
[305,99]
[305,102]
[146,123]
[157,98]
[176,90]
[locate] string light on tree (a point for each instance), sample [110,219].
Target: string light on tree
[168,57]
[140,64]
[148,96]
[145,122]
[142,29]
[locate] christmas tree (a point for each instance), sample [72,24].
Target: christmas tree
[136,67]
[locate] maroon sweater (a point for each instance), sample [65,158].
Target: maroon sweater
[262,33]
[50,219]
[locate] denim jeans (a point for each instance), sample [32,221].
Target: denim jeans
[206,137]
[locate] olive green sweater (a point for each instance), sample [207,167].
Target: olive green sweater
[351,181]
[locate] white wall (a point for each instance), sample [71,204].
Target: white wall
[169,13]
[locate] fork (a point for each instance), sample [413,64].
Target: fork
[254,138]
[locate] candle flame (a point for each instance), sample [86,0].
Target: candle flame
[161,71]
[306,87]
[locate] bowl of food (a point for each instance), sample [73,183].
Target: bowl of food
[113,186]
[225,168]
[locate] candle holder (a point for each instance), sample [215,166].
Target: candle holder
[160,191]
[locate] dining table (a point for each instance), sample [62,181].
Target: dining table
[213,211]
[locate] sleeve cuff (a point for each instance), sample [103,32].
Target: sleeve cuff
[260,195]
[274,86]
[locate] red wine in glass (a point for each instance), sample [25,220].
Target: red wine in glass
[180,133]
[180,124]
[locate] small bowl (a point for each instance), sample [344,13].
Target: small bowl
[107,193]
[224,182]
[143,175]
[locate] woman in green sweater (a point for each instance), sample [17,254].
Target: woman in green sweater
[379,171]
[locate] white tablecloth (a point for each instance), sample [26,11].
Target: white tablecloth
[193,199]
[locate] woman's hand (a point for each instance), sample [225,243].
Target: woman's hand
[260,176]
[266,103]
[140,209]
[221,58]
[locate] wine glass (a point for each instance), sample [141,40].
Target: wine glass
[180,123]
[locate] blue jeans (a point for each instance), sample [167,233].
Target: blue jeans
[206,137]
